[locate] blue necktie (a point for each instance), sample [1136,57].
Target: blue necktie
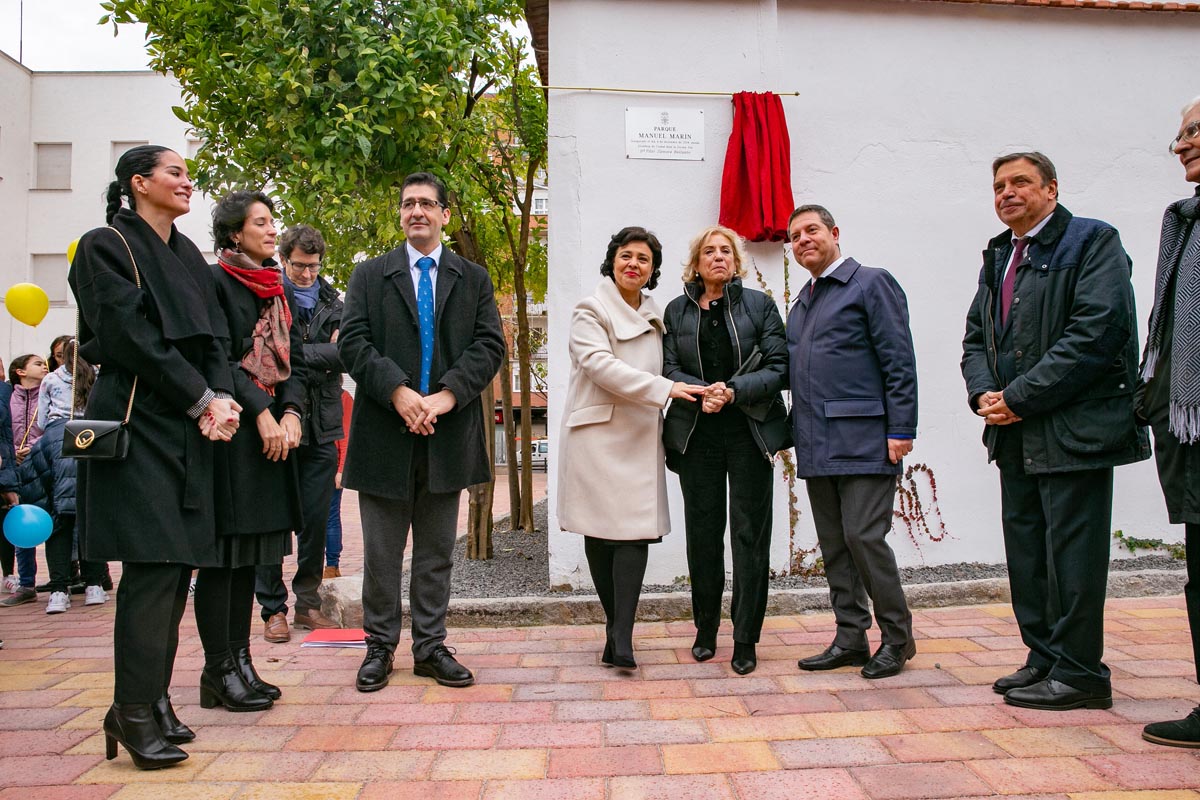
[425,317]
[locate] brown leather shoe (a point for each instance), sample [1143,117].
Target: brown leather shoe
[313,619]
[332,572]
[275,628]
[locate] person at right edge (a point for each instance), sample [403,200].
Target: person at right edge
[853,376]
[1169,397]
[1050,363]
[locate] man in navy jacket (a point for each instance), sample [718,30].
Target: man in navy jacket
[1050,359]
[854,416]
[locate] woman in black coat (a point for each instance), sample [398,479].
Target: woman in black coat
[729,338]
[257,497]
[153,510]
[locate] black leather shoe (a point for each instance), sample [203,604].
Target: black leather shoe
[1052,695]
[133,725]
[833,657]
[888,660]
[442,667]
[376,666]
[1176,733]
[744,658]
[705,646]
[1025,676]
[241,657]
[224,685]
[172,729]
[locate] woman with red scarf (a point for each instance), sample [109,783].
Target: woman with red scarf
[257,491]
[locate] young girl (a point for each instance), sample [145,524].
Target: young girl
[26,373]
[48,479]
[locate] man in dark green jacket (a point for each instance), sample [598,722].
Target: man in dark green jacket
[1050,359]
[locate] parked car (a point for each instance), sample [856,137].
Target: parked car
[539,452]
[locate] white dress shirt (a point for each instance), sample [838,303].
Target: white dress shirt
[415,271]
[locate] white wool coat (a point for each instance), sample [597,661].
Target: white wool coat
[611,478]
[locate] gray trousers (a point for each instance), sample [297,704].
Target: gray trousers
[853,514]
[433,519]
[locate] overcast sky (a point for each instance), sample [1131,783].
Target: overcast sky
[63,35]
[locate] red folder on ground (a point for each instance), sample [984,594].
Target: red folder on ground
[336,637]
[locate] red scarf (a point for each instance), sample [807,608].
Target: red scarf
[268,361]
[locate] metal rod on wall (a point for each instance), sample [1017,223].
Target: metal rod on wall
[651,91]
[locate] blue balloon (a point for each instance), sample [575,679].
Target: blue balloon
[27,526]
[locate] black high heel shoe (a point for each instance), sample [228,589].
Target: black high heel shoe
[172,729]
[744,658]
[133,725]
[241,657]
[705,646]
[224,685]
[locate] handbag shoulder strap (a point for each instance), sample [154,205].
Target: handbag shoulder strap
[137,279]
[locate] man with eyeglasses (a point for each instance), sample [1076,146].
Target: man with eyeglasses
[1169,397]
[1049,362]
[421,337]
[319,310]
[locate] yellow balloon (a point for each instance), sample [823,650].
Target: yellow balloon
[71,251]
[27,302]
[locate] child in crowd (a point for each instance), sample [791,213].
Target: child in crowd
[48,480]
[8,486]
[25,373]
[333,527]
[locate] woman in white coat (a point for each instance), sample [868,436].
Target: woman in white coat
[612,485]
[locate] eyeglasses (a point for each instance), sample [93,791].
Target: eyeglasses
[426,205]
[1187,134]
[313,268]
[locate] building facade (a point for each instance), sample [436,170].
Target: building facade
[61,134]
[895,112]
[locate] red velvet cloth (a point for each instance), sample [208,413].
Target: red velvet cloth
[756,186]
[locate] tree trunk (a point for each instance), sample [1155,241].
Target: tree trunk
[523,360]
[480,496]
[510,444]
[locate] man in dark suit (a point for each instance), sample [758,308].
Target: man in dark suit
[421,337]
[1050,362]
[854,416]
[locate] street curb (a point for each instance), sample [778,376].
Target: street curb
[342,600]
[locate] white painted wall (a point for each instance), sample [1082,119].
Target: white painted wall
[91,110]
[902,106]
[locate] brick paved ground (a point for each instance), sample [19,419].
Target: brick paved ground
[546,721]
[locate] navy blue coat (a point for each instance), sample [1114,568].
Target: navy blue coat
[853,373]
[8,457]
[47,478]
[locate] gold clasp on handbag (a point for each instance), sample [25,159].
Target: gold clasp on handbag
[85,438]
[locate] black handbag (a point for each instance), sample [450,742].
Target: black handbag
[98,439]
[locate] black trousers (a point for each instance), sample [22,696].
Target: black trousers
[617,570]
[318,464]
[223,603]
[150,603]
[727,456]
[1057,530]
[853,515]
[1191,591]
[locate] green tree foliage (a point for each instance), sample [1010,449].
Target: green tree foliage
[331,102]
